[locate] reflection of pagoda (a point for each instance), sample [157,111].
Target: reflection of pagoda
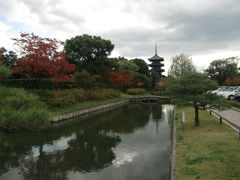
[156,62]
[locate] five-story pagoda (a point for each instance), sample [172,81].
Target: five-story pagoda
[156,63]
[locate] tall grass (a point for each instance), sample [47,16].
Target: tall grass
[21,110]
[63,97]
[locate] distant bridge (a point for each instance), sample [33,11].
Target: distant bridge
[151,98]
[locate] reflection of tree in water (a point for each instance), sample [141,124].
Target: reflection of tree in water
[90,150]
[127,119]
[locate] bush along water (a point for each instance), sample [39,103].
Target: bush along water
[136,91]
[21,110]
[63,97]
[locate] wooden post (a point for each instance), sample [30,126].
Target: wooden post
[210,112]
[220,119]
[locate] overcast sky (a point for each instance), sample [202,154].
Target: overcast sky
[204,29]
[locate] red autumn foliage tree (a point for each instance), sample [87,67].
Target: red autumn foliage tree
[119,79]
[41,58]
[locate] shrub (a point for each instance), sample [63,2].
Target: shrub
[21,110]
[5,72]
[71,96]
[34,83]
[135,91]
[62,98]
[84,80]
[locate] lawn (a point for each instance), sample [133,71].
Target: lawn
[208,152]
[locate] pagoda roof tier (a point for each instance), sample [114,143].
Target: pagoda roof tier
[156,58]
[156,64]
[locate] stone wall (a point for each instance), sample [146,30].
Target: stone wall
[81,112]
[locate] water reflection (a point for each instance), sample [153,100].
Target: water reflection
[113,143]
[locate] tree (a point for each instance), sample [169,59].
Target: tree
[84,79]
[142,66]
[154,76]
[181,64]
[119,79]
[140,80]
[124,64]
[100,66]
[87,48]
[41,58]
[5,72]
[191,89]
[221,69]
[7,58]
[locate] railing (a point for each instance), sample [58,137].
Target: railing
[226,121]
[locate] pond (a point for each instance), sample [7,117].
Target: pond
[131,142]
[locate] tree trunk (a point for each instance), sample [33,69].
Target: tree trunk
[197,123]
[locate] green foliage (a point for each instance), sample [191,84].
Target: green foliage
[101,65]
[181,64]
[7,58]
[191,89]
[222,69]
[84,80]
[155,77]
[124,64]
[21,110]
[138,77]
[63,97]
[160,93]
[87,48]
[34,83]
[5,72]
[142,66]
[136,91]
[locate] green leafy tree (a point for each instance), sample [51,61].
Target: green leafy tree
[142,66]
[181,64]
[155,77]
[191,89]
[84,80]
[140,80]
[100,66]
[124,64]
[222,69]
[87,48]
[8,58]
[5,72]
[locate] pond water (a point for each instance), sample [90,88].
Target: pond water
[130,142]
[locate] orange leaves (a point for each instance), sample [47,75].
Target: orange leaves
[119,78]
[41,58]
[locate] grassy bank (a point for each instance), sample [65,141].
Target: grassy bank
[88,104]
[208,152]
[235,104]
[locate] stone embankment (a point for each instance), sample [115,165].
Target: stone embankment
[81,112]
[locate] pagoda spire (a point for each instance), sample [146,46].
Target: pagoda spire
[155,48]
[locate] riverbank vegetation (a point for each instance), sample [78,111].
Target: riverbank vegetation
[21,110]
[61,81]
[235,104]
[209,151]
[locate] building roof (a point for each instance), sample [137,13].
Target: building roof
[156,64]
[156,57]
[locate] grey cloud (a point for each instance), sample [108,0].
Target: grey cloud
[202,29]
[203,32]
[63,18]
